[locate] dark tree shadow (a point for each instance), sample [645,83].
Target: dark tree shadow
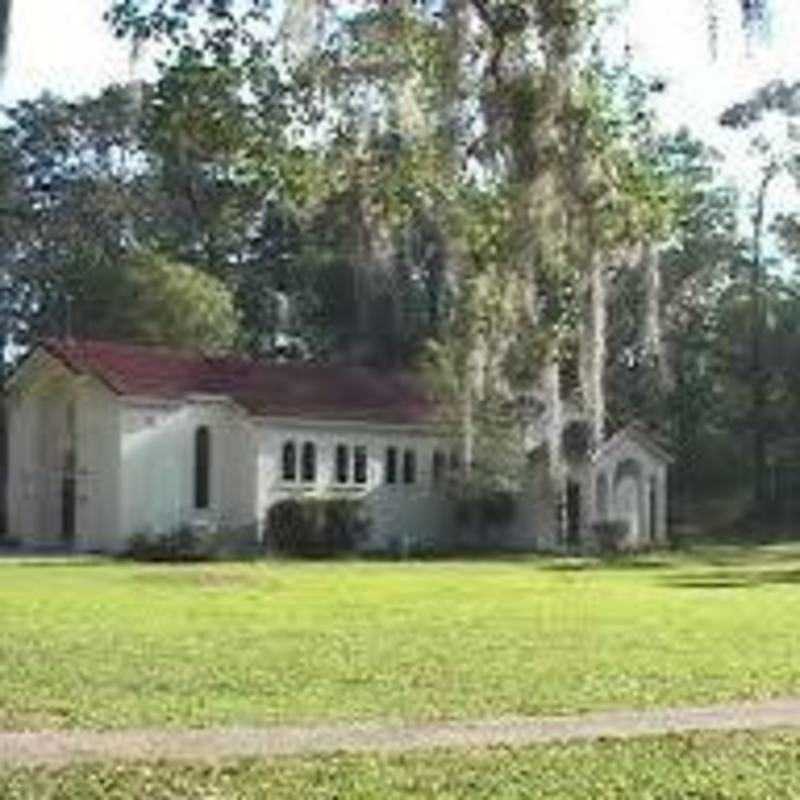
[733,579]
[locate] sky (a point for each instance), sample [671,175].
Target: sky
[73,52]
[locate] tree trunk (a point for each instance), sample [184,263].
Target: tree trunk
[554,438]
[468,426]
[595,390]
[758,377]
[653,334]
[454,16]
[592,365]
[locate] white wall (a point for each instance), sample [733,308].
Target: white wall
[403,514]
[38,436]
[97,424]
[652,468]
[157,473]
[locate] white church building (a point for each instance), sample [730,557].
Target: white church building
[109,440]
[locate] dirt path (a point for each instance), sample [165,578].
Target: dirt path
[58,748]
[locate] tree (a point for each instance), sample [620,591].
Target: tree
[754,15]
[82,194]
[680,385]
[774,159]
[74,199]
[159,302]
[488,121]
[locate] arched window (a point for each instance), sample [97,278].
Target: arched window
[202,467]
[289,461]
[309,462]
[342,463]
[409,466]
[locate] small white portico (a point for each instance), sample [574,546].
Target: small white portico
[629,474]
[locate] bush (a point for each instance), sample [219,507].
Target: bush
[9,542]
[316,527]
[490,507]
[611,536]
[182,545]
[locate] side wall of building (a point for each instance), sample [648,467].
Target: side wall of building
[157,478]
[404,515]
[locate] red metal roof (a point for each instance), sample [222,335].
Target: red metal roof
[289,390]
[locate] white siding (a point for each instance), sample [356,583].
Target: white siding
[637,507]
[402,515]
[157,474]
[38,437]
[97,433]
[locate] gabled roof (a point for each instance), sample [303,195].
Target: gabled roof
[264,389]
[639,434]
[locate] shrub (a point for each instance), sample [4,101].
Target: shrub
[489,507]
[316,527]
[182,545]
[9,542]
[611,536]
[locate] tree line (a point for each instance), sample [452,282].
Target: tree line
[467,188]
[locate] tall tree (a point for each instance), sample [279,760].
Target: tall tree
[774,158]
[82,196]
[484,119]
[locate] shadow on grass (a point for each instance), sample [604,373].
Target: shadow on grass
[626,562]
[733,579]
[571,565]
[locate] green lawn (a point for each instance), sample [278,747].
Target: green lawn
[109,645]
[742,766]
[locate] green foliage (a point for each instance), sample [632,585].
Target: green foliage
[175,304]
[78,195]
[485,508]
[183,545]
[421,183]
[316,527]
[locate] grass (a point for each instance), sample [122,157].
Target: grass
[721,767]
[110,645]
